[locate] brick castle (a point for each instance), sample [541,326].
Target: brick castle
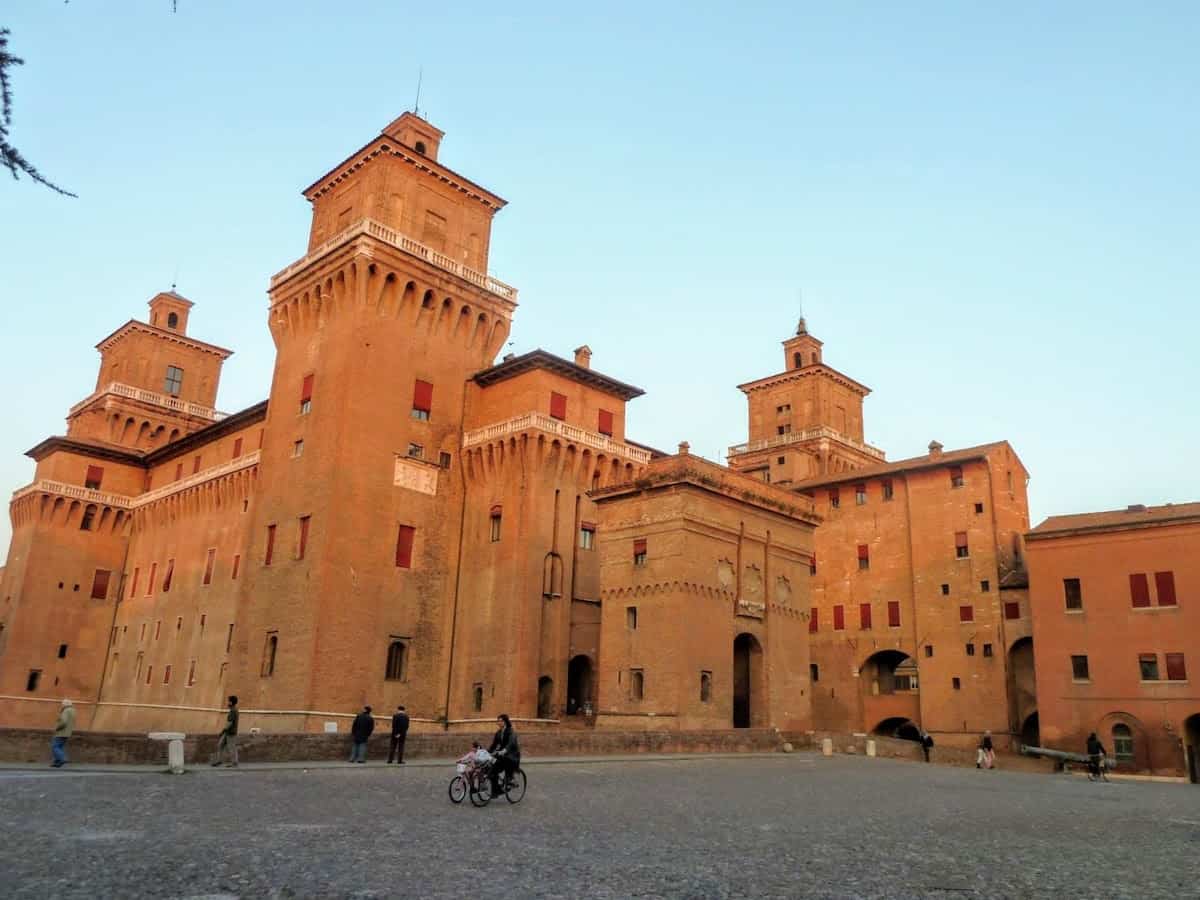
[405,520]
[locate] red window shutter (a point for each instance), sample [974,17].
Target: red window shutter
[966,613]
[423,396]
[639,546]
[960,539]
[306,390]
[558,405]
[404,546]
[1012,610]
[270,545]
[95,476]
[237,448]
[1176,669]
[839,618]
[893,614]
[1139,589]
[496,510]
[587,526]
[605,425]
[100,584]
[812,620]
[864,551]
[1164,583]
[864,615]
[834,496]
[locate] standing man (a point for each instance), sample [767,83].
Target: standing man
[364,724]
[399,735]
[228,740]
[63,729]
[926,743]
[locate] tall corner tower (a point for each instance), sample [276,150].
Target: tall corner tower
[353,554]
[805,421]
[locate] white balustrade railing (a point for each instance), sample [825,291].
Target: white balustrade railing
[542,422]
[153,397]
[807,434]
[401,241]
[74,491]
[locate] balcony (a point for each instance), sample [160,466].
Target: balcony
[75,492]
[796,437]
[544,423]
[394,238]
[155,399]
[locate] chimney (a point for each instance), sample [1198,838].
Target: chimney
[935,449]
[583,357]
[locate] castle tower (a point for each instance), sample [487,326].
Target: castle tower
[352,561]
[804,421]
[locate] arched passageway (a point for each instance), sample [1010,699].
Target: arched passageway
[579,685]
[1022,683]
[747,681]
[890,672]
[904,729]
[1191,743]
[1031,731]
[545,706]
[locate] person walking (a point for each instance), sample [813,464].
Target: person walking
[227,744]
[399,735]
[985,757]
[926,743]
[364,724]
[1096,754]
[63,729]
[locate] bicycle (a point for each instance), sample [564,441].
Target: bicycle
[1097,763]
[466,781]
[512,785]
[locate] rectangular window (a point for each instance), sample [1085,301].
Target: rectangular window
[835,499]
[178,471]
[1079,668]
[1148,663]
[1139,590]
[814,672]
[1072,593]
[839,618]
[1164,583]
[167,675]
[860,494]
[444,459]
[208,566]
[62,651]
[945,590]
[587,536]
[558,405]
[157,629]
[893,614]
[812,564]
[864,557]
[422,403]
[270,648]
[137,667]
[149,674]
[302,537]
[1176,670]
[173,383]
[306,395]
[637,684]
[94,477]
[985,586]
[784,429]
[237,564]
[864,616]
[1012,610]
[100,584]
[150,580]
[196,464]
[133,583]
[297,449]
[956,476]
[970,649]
[416,451]
[191,673]
[631,618]
[639,552]
[495,521]
[31,681]
[229,638]
[956,683]
[270,554]
[966,613]
[987,650]
[960,545]
[404,546]
[237,448]
[928,650]
[812,620]
[978,509]
[888,490]
[605,423]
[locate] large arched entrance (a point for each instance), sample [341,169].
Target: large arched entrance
[1031,731]
[1022,686]
[1191,743]
[889,672]
[545,709]
[897,727]
[747,681]
[579,685]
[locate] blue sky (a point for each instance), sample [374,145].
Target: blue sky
[994,215]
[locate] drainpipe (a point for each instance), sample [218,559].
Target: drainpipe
[462,522]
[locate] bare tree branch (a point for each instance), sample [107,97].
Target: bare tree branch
[10,157]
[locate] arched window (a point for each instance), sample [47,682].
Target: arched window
[477,698]
[268,663]
[797,360]
[705,687]
[636,685]
[173,321]
[419,146]
[89,516]
[1122,736]
[397,661]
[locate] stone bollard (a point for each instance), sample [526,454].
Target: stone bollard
[871,748]
[174,741]
[827,747]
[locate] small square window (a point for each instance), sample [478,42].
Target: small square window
[421,415]
[62,651]
[297,449]
[416,451]
[444,460]
[956,477]
[587,538]
[928,650]
[495,522]
[945,590]
[970,649]
[1079,668]
[1072,593]
[987,649]
[888,491]
[814,672]
[978,509]
[637,684]
[1012,610]
[32,681]
[639,552]
[985,586]
[835,499]
[1148,664]
[860,495]
[780,460]
[956,684]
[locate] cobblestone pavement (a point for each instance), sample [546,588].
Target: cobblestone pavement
[796,825]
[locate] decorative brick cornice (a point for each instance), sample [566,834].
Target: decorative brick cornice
[133,325]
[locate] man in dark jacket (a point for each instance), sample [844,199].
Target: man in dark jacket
[364,724]
[506,749]
[399,734]
[1096,754]
[229,737]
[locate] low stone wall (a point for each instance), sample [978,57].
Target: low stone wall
[33,746]
[893,748]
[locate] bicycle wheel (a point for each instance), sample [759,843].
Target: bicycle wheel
[514,792]
[481,791]
[458,789]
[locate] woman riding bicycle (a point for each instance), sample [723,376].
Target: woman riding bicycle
[507,751]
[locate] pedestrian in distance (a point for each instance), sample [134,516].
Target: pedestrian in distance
[228,741]
[926,743]
[985,756]
[399,735]
[360,731]
[1096,754]
[63,729]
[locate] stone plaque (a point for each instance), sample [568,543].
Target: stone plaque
[415,475]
